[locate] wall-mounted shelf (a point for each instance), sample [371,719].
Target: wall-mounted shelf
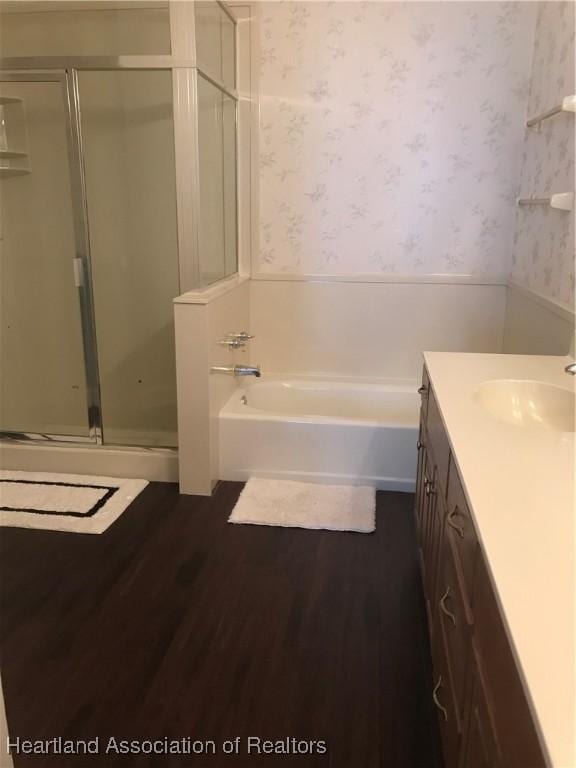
[5,172]
[11,153]
[568,105]
[561,201]
[13,137]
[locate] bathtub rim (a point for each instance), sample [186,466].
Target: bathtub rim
[234,409]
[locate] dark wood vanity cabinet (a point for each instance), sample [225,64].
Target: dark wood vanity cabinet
[484,717]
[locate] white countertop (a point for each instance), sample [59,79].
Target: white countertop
[520,486]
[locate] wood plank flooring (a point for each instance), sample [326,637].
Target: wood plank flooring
[174,624]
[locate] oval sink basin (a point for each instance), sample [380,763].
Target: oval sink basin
[531,404]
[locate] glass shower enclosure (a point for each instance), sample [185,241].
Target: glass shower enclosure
[118,192]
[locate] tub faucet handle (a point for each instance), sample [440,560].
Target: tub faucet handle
[232,343]
[242,336]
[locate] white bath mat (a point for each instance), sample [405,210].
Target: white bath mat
[75,503]
[305,505]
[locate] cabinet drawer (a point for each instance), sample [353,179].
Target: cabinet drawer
[460,530]
[455,622]
[437,443]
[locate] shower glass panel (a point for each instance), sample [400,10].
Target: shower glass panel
[43,385]
[228,30]
[215,42]
[229,181]
[217,172]
[128,146]
[84,29]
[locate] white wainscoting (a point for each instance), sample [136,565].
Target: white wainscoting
[369,330]
[537,325]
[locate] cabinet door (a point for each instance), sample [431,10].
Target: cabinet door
[517,736]
[444,701]
[480,748]
[455,624]
[460,529]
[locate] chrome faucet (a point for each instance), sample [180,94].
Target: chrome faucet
[571,369]
[235,340]
[238,370]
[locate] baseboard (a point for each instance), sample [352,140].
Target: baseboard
[149,464]
[404,485]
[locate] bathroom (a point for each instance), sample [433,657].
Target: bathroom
[306,266]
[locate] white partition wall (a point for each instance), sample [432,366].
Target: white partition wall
[204,317]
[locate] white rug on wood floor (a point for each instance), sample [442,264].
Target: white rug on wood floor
[75,503]
[306,505]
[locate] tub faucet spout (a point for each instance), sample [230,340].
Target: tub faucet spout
[247,370]
[238,370]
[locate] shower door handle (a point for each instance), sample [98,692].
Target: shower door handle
[78,272]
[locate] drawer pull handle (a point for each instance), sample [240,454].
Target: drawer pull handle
[419,445]
[458,528]
[423,390]
[436,700]
[429,485]
[443,608]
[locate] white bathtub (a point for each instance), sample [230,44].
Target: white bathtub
[321,431]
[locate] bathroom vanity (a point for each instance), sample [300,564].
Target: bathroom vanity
[494,514]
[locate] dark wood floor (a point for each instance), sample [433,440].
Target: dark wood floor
[174,623]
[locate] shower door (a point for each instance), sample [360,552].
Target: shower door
[48,379]
[117,193]
[127,127]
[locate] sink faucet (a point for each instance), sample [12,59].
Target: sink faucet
[571,369]
[238,370]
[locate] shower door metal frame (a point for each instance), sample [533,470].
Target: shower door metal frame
[81,264]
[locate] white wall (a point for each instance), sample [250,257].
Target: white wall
[369,329]
[544,240]
[390,135]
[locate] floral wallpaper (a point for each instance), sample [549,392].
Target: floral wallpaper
[543,254]
[390,135]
